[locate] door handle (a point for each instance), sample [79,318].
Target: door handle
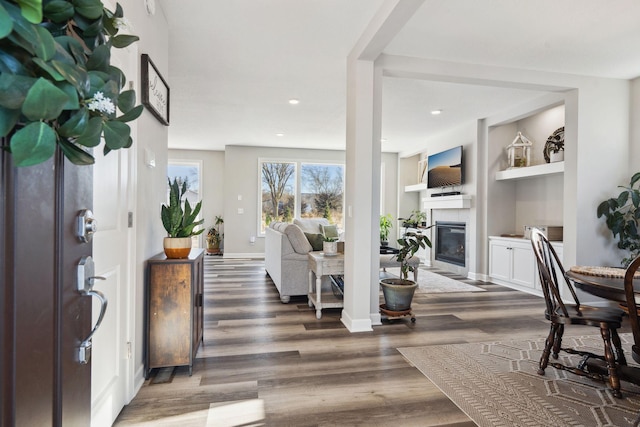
[86,279]
[86,226]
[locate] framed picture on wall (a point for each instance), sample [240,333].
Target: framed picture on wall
[155,90]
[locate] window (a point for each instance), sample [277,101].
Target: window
[292,189]
[189,172]
[278,190]
[322,191]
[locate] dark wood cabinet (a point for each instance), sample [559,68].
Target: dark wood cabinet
[174,310]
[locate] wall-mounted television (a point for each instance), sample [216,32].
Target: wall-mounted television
[445,169]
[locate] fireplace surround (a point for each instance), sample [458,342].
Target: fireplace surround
[450,242]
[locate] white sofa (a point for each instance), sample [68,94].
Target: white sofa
[285,255]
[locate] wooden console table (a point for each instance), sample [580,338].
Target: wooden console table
[321,265]
[174,310]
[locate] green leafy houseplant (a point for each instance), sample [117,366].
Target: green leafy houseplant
[409,244]
[386,223]
[214,236]
[57,84]
[179,222]
[622,215]
[416,218]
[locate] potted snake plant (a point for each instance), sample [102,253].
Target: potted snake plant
[180,224]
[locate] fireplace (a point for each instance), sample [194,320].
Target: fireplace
[450,242]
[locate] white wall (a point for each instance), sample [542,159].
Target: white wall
[212,184]
[149,183]
[241,178]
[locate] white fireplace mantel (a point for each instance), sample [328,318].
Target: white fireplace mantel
[460,201]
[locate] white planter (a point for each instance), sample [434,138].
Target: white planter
[177,247]
[556,157]
[330,248]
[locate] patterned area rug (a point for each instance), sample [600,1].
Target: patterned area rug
[431,283]
[496,384]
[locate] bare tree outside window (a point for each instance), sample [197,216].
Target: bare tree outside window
[278,192]
[322,191]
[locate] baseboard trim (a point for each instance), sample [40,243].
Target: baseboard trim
[243,255]
[355,325]
[478,276]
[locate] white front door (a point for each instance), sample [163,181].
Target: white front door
[113,252]
[110,352]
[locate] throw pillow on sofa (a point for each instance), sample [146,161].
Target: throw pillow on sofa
[329,231]
[310,225]
[298,240]
[315,239]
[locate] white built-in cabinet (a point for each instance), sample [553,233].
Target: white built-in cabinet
[512,263]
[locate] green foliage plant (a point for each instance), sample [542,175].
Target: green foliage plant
[214,237]
[622,215]
[386,223]
[179,222]
[57,85]
[416,218]
[408,245]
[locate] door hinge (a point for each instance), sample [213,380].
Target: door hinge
[128,349]
[130,220]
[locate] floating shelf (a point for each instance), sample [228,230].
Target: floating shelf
[461,201]
[415,187]
[531,171]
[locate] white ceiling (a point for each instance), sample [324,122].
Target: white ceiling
[234,64]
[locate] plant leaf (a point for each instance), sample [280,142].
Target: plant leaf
[100,58]
[14,89]
[75,154]
[8,119]
[116,134]
[59,11]
[49,69]
[73,74]
[33,144]
[132,114]
[32,10]
[126,100]
[123,40]
[44,101]
[76,125]
[91,9]
[6,23]
[92,134]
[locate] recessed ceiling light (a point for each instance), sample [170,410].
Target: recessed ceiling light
[436,112]
[294,101]
[279,134]
[383,140]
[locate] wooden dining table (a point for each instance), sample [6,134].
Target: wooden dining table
[603,282]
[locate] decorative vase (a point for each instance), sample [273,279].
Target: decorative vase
[398,293]
[330,248]
[177,247]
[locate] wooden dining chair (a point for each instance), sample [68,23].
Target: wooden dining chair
[559,313]
[629,373]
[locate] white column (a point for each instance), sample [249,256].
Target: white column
[362,177]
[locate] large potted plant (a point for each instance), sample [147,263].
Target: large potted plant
[58,87]
[398,293]
[386,223]
[622,215]
[180,223]
[214,236]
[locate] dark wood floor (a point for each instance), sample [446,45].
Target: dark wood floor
[274,364]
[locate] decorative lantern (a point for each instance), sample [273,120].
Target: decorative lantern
[519,152]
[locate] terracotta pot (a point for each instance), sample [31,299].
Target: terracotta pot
[398,293]
[177,247]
